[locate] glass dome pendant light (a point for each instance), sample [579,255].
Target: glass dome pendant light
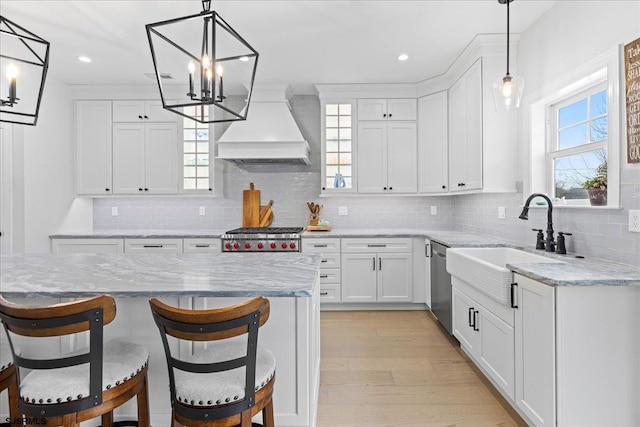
[507,91]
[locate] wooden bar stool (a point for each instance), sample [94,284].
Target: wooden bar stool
[9,382]
[85,383]
[232,379]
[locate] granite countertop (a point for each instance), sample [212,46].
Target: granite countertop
[139,234]
[171,275]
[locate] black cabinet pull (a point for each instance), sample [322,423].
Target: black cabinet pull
[390,114]
[202,246]
[384,188]
[146,189]
[390,188]
[374,263]
[139,189]
[324,276]
[463,184]
[384,115]
[140,117]
[320,246]
[444,186]
[211,189]
[380,264]
[470,311]
[324,260]
[324,294]
[106,189]
[513,295]
[323,188]
[152,246]
[475,324]
[377,245]
[146,117]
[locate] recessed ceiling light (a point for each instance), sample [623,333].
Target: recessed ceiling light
[403,57]
[244,58]
[84,59]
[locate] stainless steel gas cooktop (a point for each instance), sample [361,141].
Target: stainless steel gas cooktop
[262,239]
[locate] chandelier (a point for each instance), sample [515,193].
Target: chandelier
[209,56]
[24,61]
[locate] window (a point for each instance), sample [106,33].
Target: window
[579,138]
[338,148]
[195,151]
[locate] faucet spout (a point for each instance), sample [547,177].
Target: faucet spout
[549,242]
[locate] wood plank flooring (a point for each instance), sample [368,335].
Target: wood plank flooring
[400,368]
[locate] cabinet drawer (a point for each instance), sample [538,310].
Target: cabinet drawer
[330,260]
[201,245]
[376,245]
[329,275]
[321,245]
[95,246]
[330,293]
[153,246]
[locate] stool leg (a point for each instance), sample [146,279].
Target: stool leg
[107,419]
[245,419]
[267,415]
[14,410]
[144,418]
[69,420]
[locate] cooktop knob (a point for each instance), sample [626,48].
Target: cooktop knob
[247,245]
[292,245]
[284,246]
[273,246]
[236,245]
[227,245]
[260,245]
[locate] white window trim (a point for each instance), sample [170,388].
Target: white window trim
[606,65]
[354,147]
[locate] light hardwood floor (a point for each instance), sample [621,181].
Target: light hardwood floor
[400,368]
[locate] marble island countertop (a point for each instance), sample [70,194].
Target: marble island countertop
[146,275]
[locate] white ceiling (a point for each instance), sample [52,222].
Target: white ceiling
[300,42]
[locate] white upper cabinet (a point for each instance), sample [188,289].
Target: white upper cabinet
[145,158]
[387,158]
[141,111]
[433,167]
[387,109]
[93,147]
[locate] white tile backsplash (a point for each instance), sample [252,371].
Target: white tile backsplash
[596,233]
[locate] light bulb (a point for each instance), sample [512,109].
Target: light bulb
[244,58]
[191,67]
[209,74]
[507,87]
[206,62]
[12,72]
[219,70]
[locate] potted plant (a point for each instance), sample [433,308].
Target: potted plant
[597,186]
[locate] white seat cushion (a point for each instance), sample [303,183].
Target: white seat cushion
[121,361]
[224,387]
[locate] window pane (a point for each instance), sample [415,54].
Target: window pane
[571,172]
[332,158]
[345,121]
[189,147]
[332,146]
[345,109]
[600,129]
[203,159]
[345,170]
[332,171]
[189,159]
[203,147]
[189,134]
[332,133]
[345,146]
[332,121]
[203,172]
[345,159]
[573,113]
[189,172]
[202,183]
[189,184]
[329,182]
[345,133]
[599,104]
[332,109]
[573,136]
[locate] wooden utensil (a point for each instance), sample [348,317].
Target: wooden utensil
[251,207]
[267,219]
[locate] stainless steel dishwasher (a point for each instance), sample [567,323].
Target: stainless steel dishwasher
[440,286]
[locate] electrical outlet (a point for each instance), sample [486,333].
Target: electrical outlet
[434,210]
[114,211]
[634,221]
[201,211]
[342,210]
[502,212]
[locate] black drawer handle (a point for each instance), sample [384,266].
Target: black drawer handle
[324,276]
[513,295]
[324,260]
[371,245]
[470,314]
[202,246]
[152,246]
[475,324]
[320,246]
[324,294]
[380,264]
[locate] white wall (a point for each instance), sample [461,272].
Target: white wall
[46,176]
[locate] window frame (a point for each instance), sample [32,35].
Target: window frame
[354,146]
[605,67]
[553,151]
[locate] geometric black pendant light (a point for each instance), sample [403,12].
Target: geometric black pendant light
[24,61]
[210,58]
[507,91]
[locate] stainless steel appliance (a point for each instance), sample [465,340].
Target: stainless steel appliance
[262,239]
[441,286]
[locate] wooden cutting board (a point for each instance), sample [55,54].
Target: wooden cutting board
[266,215]
[251,207]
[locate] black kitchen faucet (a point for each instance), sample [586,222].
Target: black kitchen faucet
[549,244]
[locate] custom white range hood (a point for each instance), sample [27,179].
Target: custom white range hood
[269,135]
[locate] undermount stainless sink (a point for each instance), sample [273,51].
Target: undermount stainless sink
[485,268]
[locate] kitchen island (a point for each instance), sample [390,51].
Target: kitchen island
[190,281]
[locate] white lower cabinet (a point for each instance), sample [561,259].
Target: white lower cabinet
[89,246]
[535,351]
[486,338]
[377,270]
[330,267]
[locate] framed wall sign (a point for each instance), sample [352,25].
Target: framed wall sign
[632,93]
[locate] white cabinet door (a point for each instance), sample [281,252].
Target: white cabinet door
[93,147]
[372,159]
[359,277]
[457,135]
[401,109]
[128,159]
[402,166]
[464,319]
[156,113]
[473,178]
[433,167]
[372,109]
[394,278]
[535,351]
[128,111]
[86,246]
[495,352]
[161,163]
